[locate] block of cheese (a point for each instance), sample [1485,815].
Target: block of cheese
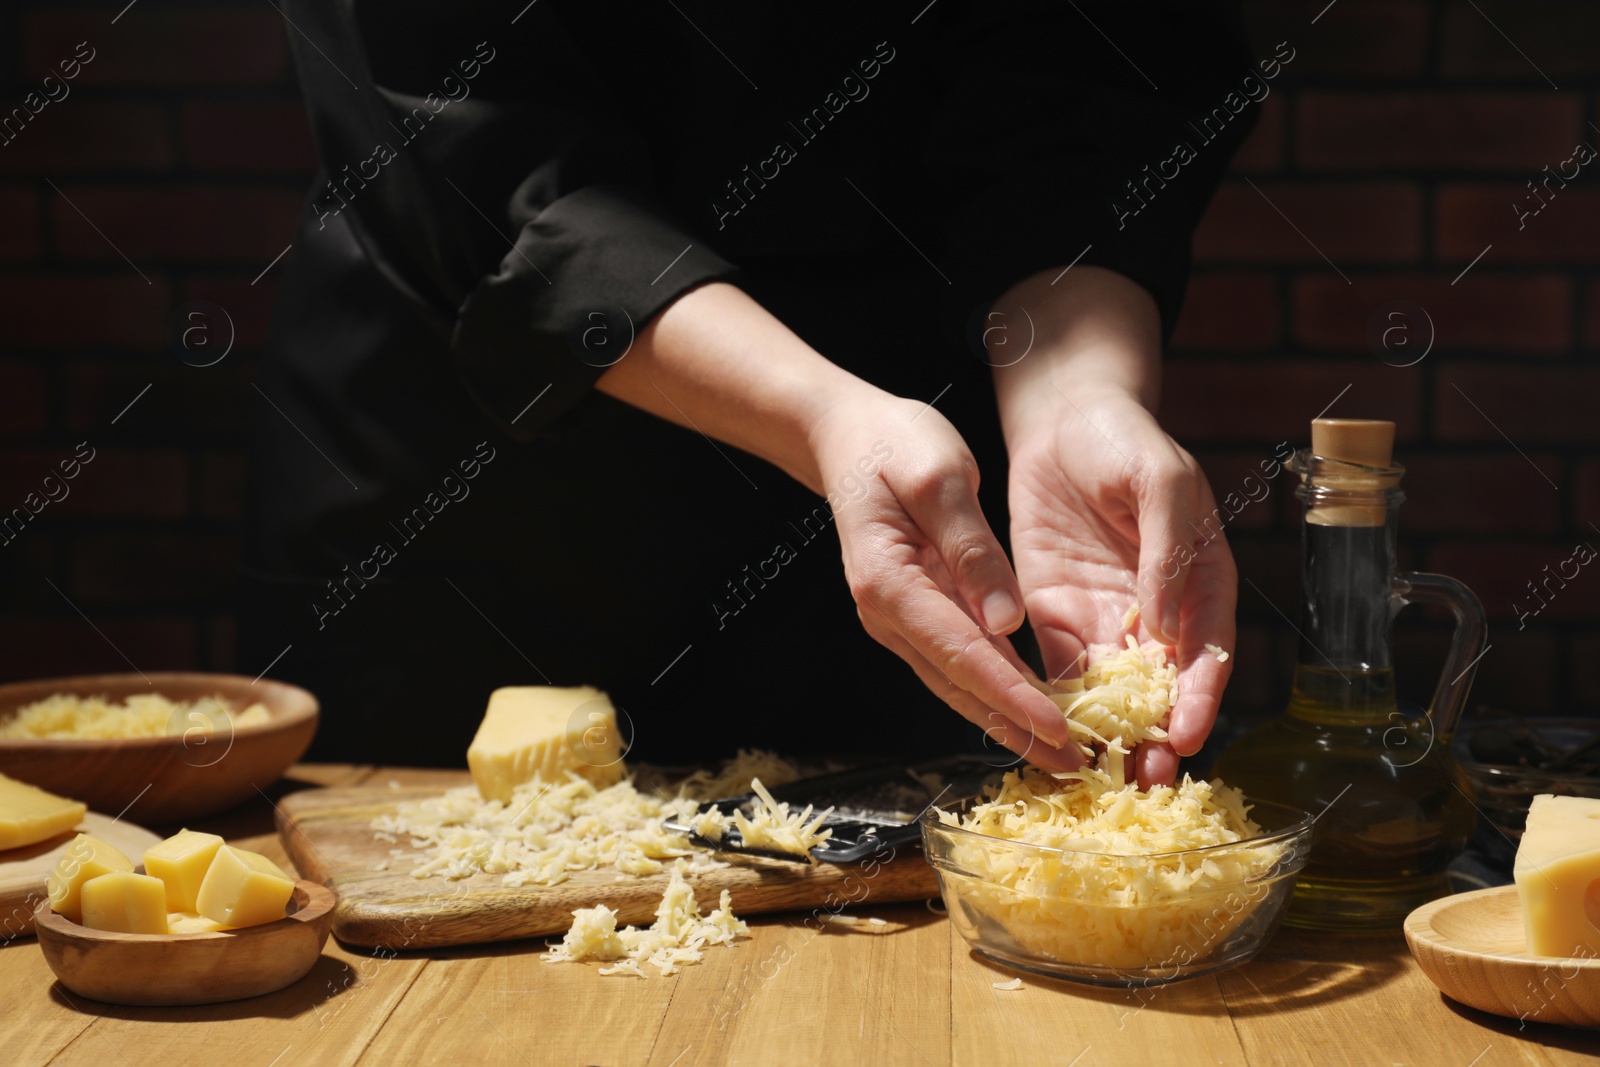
[86,858]
[126,903]
[181,862]
[29,815]
[243,889]
[187,922]
[1557,866]
[544,731]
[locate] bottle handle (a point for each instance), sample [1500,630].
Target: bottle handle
[1466,647]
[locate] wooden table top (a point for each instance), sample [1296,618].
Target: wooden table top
[906,993]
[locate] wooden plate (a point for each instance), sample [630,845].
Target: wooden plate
[171,969]
[163,779]
[23,870]
[1472,946]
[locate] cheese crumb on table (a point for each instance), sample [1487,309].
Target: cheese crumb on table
[771,825]
[674,940]
[1015,983]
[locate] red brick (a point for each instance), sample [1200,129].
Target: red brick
[186,224]
[1238,312]
[62,310]
[1353,40]
[1240,473]
[1529,405]
[19,224]
[159,47]
[1586,497]
[1483,310]
[256,137]
[119,483]
[1275,400]
[1559,37]
[248,306]
[141,568]
[1263,149]
[183,402]
[1380,222]
[1433,130]
[1500,572]
[222,485]
[89,135]
[1517,674]
[42,647]
[1564,230]
[24,403]
[1480,494]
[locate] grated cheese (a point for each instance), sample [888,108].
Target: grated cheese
[1222,657]
[1014,984]
[67,716]
[735,776]
[674,940]
[1123,698]
[771,825]
[1130,616]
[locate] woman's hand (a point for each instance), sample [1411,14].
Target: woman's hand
[1106,509]
[929,579]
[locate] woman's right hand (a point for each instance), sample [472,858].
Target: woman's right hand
[929,578]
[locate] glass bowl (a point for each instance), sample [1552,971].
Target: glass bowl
[1115,920]
[1506,782]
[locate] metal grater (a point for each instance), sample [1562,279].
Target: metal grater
[875,807]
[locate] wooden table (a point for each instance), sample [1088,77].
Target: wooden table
[908,993]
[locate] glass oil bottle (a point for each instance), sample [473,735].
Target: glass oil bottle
[1393,807]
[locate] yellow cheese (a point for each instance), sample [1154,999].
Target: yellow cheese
[86,858]
[125,903]
[181,862]
[29,815]
[243,889]
[541,731]
[187,922]
[1558,863]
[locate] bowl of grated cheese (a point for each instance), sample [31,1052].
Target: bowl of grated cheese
[158,747]
[1091,880]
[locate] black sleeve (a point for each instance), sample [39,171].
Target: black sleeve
[1060,127]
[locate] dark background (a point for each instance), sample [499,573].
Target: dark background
[1396,142]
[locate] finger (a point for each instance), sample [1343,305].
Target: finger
[1031,748]
[947,511]
[1064,652]
[1208,618]
[954,646]
[1168,502]
[1155,763]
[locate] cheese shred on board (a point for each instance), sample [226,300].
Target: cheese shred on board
[772,825]
[1078,897]
[673,940]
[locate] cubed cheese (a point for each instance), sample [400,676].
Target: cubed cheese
[86,858]
[243,889]
[126,903]
[187,922]
[181,862]
[29,815]
[544,731]
[1556,870]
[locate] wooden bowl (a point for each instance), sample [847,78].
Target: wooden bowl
[1472,947]
[164,779]
[174,969]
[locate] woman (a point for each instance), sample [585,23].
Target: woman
[660,277]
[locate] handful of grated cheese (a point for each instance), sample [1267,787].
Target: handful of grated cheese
[67,716]
[773,826]
[675,939]
[1123,698]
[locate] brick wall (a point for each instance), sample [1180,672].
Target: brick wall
[1393,146]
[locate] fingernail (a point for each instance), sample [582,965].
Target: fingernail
[1169,622]
[1001,614]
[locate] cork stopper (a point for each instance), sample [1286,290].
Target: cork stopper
[1367,442]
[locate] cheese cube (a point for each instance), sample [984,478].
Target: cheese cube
[181,862]
[126,903]
[544,731]
[29,815]
[243,889]
[1557,864]
[187,922]
[86,858]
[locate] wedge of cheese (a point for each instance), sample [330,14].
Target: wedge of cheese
[544,731]
[29,815]
[1556,871]
[243,888]
[86,858]
[126,903]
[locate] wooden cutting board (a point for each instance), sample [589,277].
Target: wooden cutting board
[328,835]
[23,870]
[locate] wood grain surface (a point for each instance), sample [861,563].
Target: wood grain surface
[328,834]
[907,994]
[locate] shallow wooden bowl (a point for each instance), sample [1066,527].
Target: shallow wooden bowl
[173,969]
[164,779]
[1472,946]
